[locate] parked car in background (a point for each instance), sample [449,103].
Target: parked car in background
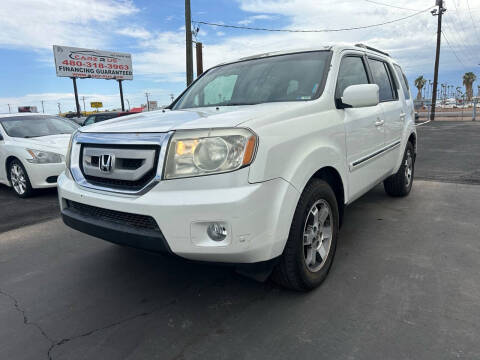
[253,164]
[32,150]
[102,116]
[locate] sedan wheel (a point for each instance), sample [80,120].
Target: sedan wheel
[19,179]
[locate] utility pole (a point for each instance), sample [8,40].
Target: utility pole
[84,108]
[437,12]
[188,44]
[148,104]
[43,109]
[9,111]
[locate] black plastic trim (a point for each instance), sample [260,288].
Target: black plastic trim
[144,239]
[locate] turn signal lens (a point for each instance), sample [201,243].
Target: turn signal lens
[249,150]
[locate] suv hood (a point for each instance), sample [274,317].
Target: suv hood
[198,118]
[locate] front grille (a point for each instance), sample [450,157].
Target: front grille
[113,216]
[133,166]
[122,184]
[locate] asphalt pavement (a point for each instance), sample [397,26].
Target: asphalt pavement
[17,212]
[404,284]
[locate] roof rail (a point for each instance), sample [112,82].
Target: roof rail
[372,49]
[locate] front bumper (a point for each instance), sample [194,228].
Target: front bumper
[43,175]
[257,216]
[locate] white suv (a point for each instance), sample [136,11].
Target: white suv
[253,163]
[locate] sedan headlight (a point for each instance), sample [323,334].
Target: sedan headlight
[44,157]
[205,152]
[69,151]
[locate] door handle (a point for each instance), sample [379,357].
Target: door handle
[402,115]
[379,122]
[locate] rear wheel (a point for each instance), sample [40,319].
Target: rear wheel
[19,179]
[312,241]
[400,183]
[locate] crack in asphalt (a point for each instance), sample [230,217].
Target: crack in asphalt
[55,344]
[26,321]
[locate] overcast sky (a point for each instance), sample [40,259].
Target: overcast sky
[153,31]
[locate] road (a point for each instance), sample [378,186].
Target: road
[404,285]
[17,212]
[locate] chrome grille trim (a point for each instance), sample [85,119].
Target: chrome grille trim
[155,139]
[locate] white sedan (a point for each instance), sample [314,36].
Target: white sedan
[32,150]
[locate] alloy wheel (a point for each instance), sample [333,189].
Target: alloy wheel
[408,168]
[317,235]
[18,179]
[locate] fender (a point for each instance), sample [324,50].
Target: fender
[296,149]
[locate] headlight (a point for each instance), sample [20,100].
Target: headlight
[69,150]
[205,152]
[44,157]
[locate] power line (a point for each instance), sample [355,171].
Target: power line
[471,17]
[457,15]
[310,31]
[459,39]
[389,5]
[451,48]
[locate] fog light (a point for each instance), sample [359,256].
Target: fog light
[216,232]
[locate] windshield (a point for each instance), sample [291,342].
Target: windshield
[37,125]
[292,77]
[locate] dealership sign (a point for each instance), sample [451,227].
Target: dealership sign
[85,63]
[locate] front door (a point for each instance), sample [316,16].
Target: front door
[364,130]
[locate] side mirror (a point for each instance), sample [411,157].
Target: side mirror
[1,137]
[357,96]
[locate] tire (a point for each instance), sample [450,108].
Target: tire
[301,267]
[400,183]
[19,179]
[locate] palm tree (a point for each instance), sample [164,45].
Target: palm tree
[468,80]
[419,84]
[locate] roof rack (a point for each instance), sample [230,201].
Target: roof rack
[372,49]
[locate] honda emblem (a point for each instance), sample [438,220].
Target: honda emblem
[106,163]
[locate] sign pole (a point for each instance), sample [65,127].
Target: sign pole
[76,95]
[121,94]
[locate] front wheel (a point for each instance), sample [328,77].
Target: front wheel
[400,183]
[311,245]
[19,179]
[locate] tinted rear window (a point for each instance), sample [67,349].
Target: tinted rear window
[403,81]
[382,79]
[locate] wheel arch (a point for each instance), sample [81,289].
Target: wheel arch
[332,177]
[8,160]
[413,140]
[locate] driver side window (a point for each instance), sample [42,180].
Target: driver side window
[352,72]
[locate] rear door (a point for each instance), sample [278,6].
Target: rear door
[363,137]
[392,108]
